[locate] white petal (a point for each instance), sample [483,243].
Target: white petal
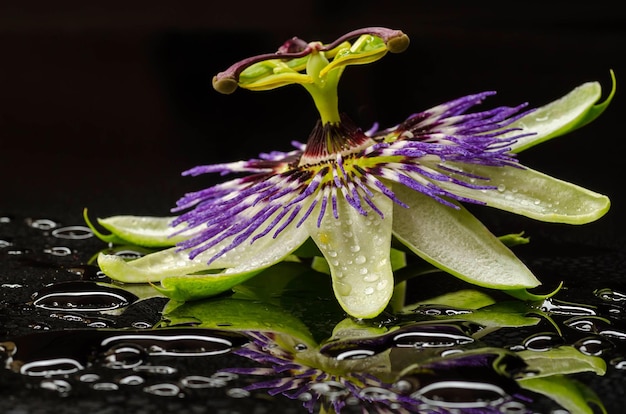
[457,242]
[357,249]
[246,257]
[557,117]
[533,194]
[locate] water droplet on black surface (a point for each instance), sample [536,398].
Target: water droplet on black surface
[163,390]
[461,394]
[72,233]
[238,393]
[610,295]
[558,307]
[543,341]
[173,342]
[124,356]
[50,367]
[58,251]
[593,346]
[62,387]
[131,380]
[83,296]
[105,386]
[198,381]
[42,224]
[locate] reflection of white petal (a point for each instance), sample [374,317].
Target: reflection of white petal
[357,249]
[533,194]
[456,242]
[246,257]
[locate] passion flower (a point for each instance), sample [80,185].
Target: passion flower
[351,190]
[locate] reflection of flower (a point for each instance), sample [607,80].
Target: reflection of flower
[350,190]
[317,386]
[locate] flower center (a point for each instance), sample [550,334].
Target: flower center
[327,140]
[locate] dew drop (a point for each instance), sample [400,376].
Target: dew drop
[129,254]
[51,367]
[58,251]
[343,288]
[238,393]
[163,390]
[61,386]
[368,290]
[593,346]
[460,394]
[156,369]
[198,381]
[72,233]
[89,378]
[542,342]
[363,271]
[619,363]
[372,277]
[355,248]
[332,253]
[105,386]
[131,380]
[82,295]
[360,259]
[355,354]
[382,284]
[501,188]
[42,224]
[610,295]
[124,356]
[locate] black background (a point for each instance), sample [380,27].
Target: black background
[103,104]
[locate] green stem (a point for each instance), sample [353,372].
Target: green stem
[323,90]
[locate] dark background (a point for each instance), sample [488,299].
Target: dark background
[103,104]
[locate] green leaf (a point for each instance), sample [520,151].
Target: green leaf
[564,115]
[532,194]
[458,243]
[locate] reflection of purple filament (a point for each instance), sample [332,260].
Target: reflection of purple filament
[313,385]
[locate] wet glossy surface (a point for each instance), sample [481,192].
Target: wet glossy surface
[69,334]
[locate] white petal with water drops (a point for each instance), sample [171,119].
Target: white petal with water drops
[357,249]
